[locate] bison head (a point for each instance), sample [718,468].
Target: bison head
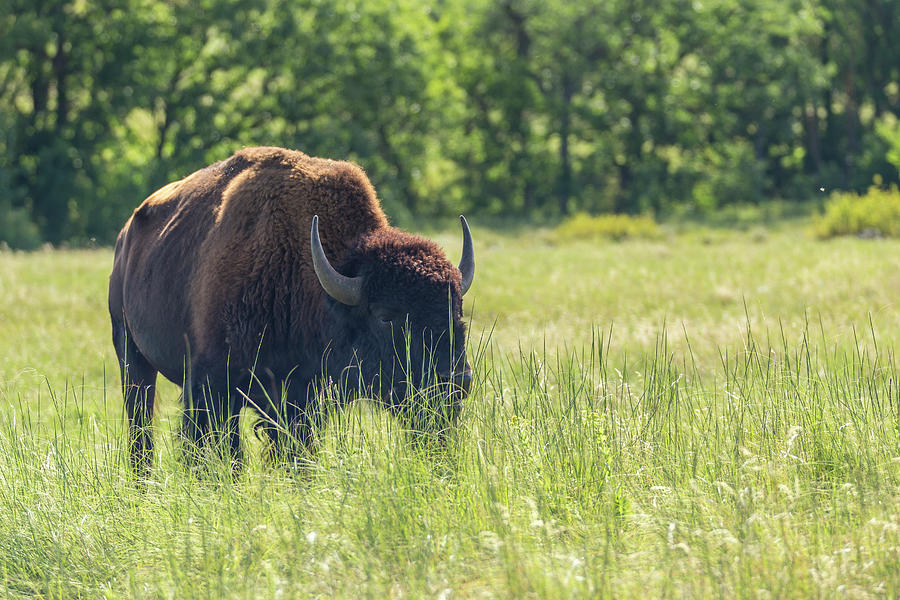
[396,319]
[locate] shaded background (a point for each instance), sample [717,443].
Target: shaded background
[527,109]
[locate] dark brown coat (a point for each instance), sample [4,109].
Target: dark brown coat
[213,277]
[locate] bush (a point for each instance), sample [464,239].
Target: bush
[16,229]
[729,173]
[616,227]
[875,214]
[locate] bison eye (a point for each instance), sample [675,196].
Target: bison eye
[383,316]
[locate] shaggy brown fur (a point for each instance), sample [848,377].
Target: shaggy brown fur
[421,260]
[213,274]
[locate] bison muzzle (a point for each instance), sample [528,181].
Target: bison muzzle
[217,286]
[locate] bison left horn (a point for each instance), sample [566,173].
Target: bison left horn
[467,262]
[346,290]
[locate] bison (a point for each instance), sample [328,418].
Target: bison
[216,286]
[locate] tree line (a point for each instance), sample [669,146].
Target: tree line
[530,108]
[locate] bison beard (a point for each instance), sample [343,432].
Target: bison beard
[217,286]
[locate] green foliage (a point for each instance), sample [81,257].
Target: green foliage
[510,107]
[889,130]
[728,175]
[16,229]
[875,213]
[616,227]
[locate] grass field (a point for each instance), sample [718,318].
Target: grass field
[710,414]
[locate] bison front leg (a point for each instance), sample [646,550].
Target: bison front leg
[290,429]
[139,391]
[211,418]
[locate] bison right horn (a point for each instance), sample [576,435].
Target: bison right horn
[346,290]
[467,262]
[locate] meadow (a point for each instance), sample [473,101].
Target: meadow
[712,413]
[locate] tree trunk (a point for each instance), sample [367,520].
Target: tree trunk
[60,73]
[623,202]
[565,176]
[813,153]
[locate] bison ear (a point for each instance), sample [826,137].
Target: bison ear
[346,290]
[467,262]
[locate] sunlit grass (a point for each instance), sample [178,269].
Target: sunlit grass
[633,431]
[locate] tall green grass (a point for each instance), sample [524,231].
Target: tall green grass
[761,459]
[570,475]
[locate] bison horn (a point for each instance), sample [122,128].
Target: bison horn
[346,290]
[467,262]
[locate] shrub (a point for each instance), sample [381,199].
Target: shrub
[16,229]
[875,214]
[729,173]
[616,227]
